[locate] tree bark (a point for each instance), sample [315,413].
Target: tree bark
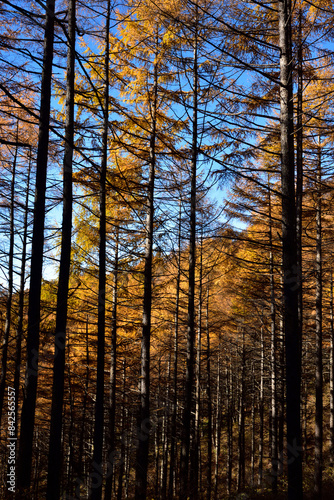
[54,457]
[19,329]
[5,340]
[273,369]
[113,365]
[172,468]
[188,423]
[290,262]
[144,411]
[97,468]
[30,390]
[209,402]
[318,465]
[331,373]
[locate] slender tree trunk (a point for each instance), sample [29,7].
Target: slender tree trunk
[281,419]
[196,436]
[229,402]
[5,340]
[81,461]
[112,403]
[253,430]
[261,412]
[30,389]
[241,434]
[209,402]
[290,261]
[331,372]
[188,423]
[97,466]
[19,330]
[54,457]
[299,173]
[123,444]
[218,426]
[318,332]
[273,370]
[172,467]
[144,412]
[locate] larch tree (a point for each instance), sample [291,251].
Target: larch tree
[54,458]
[25,457]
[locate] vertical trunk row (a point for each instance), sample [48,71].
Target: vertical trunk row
[290,262]
[54,457]
[30,389]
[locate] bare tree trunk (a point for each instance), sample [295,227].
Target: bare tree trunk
[253,430]
[196,437]
[97,467]
[209,402]
[331,372]
[144,412]
[112,403]
[241,430]
[188,423]
[172,467]
[299,173]
[19,329]
[218,425]
[261,412]
[123,444]
[54,457]
[30,390]
[229,402]
[318,332]
[273,370]
[290,262]
[5,340]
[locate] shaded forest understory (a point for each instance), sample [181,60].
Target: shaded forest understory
[166,262]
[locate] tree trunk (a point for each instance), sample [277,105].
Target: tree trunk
[112,403]
[229,402]
[318,465]
[54,457]
[261,412]
[331,373]
[196,437]
[188,423]
[172,467]
[123,444]
[241,433]
[19,329]
[144,412]
[218,425]
[5,340]
[97,468]
[290,263]
[209,403]
[30,389]
[273,370]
